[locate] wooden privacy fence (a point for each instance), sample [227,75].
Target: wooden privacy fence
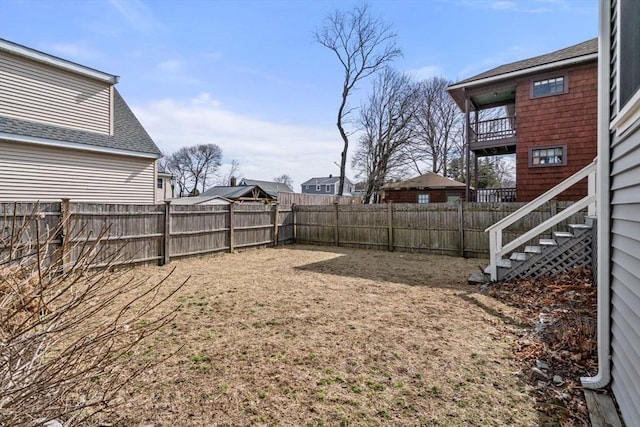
[455,229]
[158,233]
[145,233]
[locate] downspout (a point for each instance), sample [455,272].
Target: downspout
[603,376]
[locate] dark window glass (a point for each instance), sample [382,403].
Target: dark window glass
[629,68]
[159,183]
[547,156]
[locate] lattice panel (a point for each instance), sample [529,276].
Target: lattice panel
[576,252]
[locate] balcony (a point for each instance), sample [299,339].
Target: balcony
[493,137]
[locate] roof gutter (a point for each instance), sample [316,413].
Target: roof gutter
[603,376]
[45,58]
[525,71]
[75,146]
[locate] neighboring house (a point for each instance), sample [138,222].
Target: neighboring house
[618,201]
[327,185]
[427,188]
[238,193]
[165,184]
[65,132]
[550,105]
[271,187]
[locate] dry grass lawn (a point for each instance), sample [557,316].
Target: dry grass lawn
[320,336]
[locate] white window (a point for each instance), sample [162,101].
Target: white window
[548,156]
[328,188]
[317,188]
[550,86]
[423,198]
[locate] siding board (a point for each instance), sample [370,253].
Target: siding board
[38,92]
[78,175]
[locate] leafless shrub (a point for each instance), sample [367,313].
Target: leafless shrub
[67,332]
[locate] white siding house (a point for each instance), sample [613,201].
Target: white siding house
[65,132]
[619,207]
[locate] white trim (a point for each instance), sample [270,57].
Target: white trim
[603,376]
[525,71]
[35,55]
[75,146]
[629,114]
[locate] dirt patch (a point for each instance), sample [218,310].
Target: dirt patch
[310,336]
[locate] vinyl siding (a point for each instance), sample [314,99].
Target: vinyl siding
[36,172]
[33,91]
[625,274]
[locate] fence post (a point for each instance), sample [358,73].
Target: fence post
[166,255]
[295,229]
[276,217]
[231,227]
[390,222]
[336,231]
[66,235]
[461,227]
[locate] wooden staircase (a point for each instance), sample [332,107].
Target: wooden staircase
[566,250]
[563,251]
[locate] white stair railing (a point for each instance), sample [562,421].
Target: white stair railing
[497,250]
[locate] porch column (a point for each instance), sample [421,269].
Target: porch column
[467,143]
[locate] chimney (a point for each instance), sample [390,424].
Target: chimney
[330,176]
[232,181]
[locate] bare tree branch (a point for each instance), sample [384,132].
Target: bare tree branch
[363,45]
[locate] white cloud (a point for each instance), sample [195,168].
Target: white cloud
[264,149]
[137,14]
[171,65]
[426,72]
[77,50]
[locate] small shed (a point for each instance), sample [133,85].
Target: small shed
[427,188]
[240,193]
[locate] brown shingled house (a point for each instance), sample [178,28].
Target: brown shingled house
[549,120]
[427,188]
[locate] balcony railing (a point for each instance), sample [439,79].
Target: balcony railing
[494,195]
[493,130]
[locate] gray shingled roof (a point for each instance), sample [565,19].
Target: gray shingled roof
[233,193]
[273,188]
[581,49]
[428,180]
[324,180]
[128,133]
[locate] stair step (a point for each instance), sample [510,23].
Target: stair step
[547,242]
[504,263]
[562,235]
[533,249]
[518,256]
[580,226]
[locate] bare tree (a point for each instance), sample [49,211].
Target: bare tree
[193,167]
[68,331]
[233,172]
[284,179]
[438,124]
[363,45]
[386,126]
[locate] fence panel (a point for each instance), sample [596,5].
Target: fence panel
[315,224]
[429,228]
[130,233]
[20,223]
[253,225]
[285,223]
[197,230]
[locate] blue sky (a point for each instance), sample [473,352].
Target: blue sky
[247,75]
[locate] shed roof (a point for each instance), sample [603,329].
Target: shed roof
[271,187]
[129,137]
[428,180]
[236,192]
